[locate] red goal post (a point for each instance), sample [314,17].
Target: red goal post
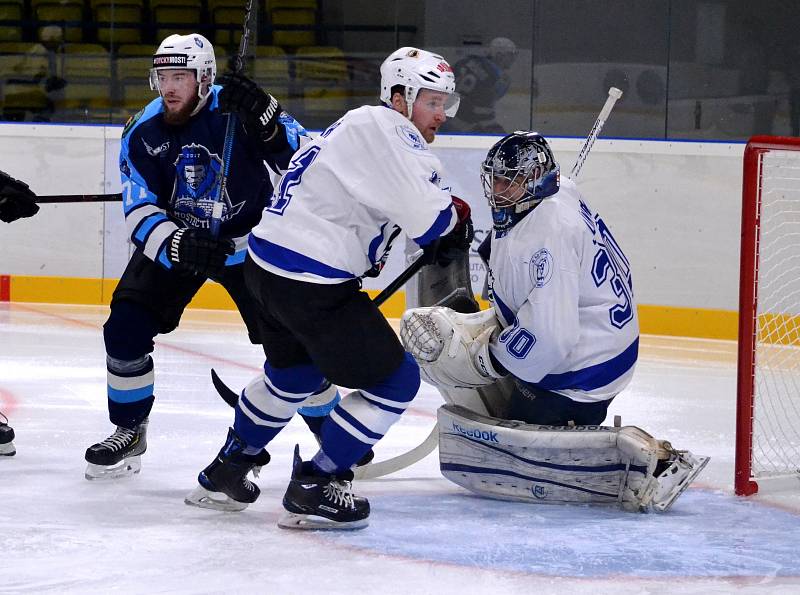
[768,375]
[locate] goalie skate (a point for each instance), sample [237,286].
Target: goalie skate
[678,475]
[117,456]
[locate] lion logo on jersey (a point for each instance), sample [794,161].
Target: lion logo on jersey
[198,173]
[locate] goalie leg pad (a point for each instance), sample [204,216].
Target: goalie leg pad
[601,465]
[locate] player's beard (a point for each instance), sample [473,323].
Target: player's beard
[181,116]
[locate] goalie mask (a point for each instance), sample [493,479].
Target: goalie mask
[186,52]
[518,173]
[417,69]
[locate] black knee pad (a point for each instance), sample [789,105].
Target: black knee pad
[129,331]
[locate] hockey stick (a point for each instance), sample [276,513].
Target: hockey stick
[369,471]
[416,454]
[401,280]
[57,198]
[613,95]
[251,13]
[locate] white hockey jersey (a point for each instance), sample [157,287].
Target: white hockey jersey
[336,210]
[561,287]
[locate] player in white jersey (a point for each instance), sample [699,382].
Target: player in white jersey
[331,221]
[561,290]
[559,343]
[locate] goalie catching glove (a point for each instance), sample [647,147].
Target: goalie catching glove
[452,349]
[258,110]
[16,199]
[196,251]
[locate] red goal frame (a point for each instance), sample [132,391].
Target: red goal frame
[757,146]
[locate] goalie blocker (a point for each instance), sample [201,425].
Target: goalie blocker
[510,460]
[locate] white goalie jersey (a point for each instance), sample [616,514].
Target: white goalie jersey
[562,290]
[346,195]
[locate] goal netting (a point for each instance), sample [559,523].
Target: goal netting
[768,413]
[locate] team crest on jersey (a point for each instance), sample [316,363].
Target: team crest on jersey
[541,268]
[411,138]
[198,173]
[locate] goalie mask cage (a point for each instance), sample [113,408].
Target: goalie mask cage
[768,375]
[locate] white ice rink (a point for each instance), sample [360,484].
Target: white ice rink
[62,534]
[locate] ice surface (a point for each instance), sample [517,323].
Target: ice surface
[62,534]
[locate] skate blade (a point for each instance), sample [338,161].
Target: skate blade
[202,498]
[291,520]
[699,463]
[126,468]
[7,449]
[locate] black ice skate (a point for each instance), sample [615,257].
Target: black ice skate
[6,438]
[224,484]
[315,501]
[119,455]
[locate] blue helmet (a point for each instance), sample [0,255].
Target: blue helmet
[519,171]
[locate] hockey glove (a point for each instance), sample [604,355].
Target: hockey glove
[257,110]
[197,251]
[16,199]
[449,247]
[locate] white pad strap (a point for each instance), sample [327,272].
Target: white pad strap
[452,349]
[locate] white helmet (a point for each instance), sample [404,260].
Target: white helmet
[417,69]
[186,52]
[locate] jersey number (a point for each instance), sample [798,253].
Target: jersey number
[611,265]
[518,341]
[283,193]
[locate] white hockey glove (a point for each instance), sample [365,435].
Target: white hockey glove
[452,349]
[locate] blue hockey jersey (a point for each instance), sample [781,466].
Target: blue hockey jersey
[171,175]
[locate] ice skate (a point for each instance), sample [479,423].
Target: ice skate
[315,501]
[6,438]
[224,484]
[119,455]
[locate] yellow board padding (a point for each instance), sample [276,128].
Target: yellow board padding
[654,320]
[705,323]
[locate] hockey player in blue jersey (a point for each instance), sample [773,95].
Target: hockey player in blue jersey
[16,199]
[16,202]
[330,222]
[560,341]
[171,169]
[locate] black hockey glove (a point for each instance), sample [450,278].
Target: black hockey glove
[257,109]
[197,251]
[16,199]
[449,247]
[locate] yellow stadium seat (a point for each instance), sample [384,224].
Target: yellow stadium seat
[11,11]
[228,23]
[196,4]
[118,23]
[62,21]
[322,79]
[320,63]
[86,68]
[175,19]
[293,26]
[23,60]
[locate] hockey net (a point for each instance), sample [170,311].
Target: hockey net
[768,378]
